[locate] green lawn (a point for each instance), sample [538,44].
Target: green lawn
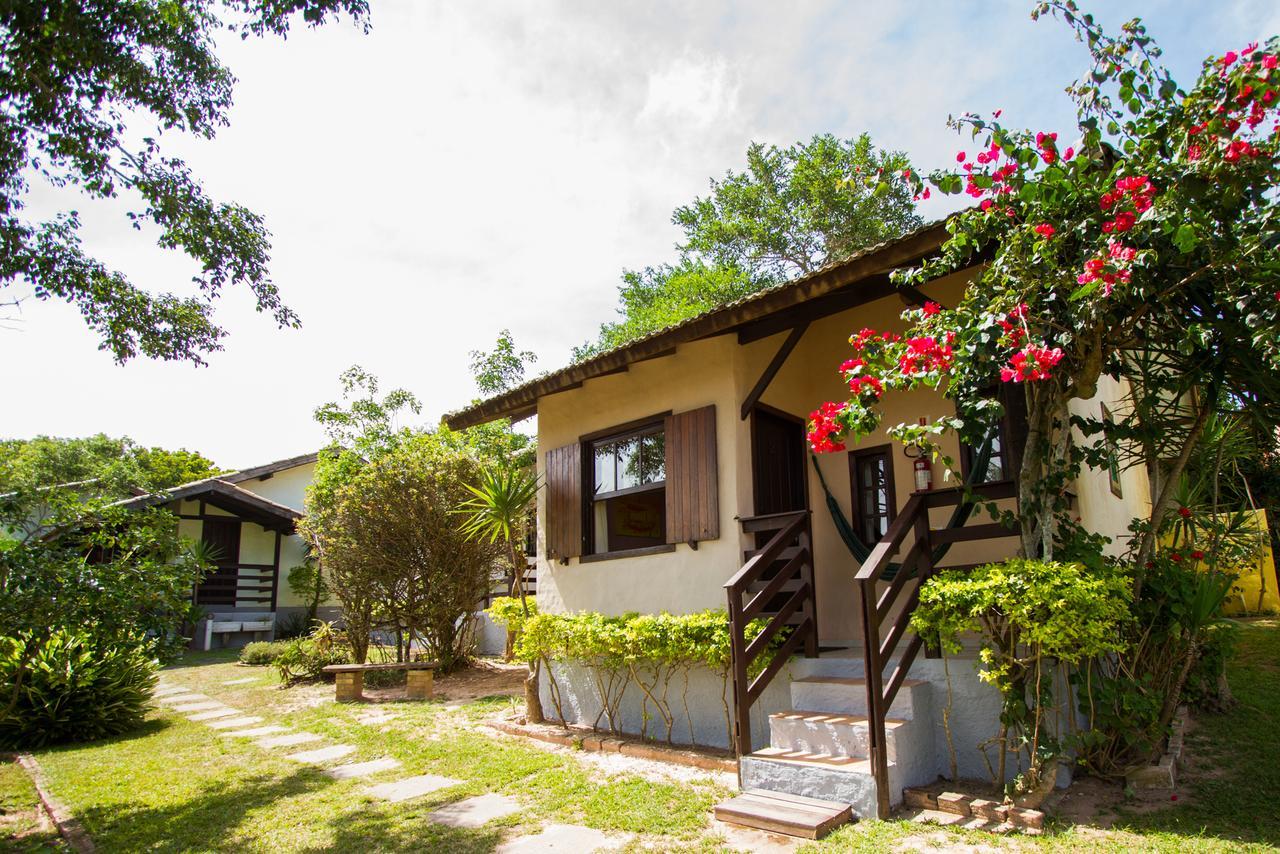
[21,827]
[178,786]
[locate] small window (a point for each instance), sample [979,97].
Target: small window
[628,502]
[873,492]
[997,463]
[1113,452]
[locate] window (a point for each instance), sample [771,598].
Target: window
[628,502]
[1113,452]
[997,463]
[873,493]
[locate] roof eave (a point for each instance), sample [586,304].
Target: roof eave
[523,401]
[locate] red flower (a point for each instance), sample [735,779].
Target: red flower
[1045,230]
[1197,554]
[1124,221]
[1175,557]
[996,114]
[1269,61]
[1184,512]
[1069,153]
[960,157]
[1229,58]
[931,308]
[986,204]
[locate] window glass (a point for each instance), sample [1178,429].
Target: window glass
[634,465]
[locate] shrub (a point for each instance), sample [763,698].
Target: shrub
[304,659]
[75,689]
[262,652]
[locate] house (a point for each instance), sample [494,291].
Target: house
[677,478]
[248,519]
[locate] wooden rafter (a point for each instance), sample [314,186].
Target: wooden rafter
[770,371]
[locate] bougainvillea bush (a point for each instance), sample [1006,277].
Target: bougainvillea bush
[1141,245]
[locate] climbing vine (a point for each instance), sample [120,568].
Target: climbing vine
[653,653]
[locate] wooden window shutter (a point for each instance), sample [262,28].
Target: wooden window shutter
[564,502]
[693,503]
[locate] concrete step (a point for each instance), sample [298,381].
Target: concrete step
[829,733]
[842,779]
[778,812]
[848,696]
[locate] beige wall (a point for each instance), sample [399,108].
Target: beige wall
[720,371]
[288,487]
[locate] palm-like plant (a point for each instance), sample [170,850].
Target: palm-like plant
[499,510]
[502,503]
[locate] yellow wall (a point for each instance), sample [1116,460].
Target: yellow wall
[720,371]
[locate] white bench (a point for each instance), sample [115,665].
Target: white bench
[226,624]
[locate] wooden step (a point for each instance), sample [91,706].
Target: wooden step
[779,812]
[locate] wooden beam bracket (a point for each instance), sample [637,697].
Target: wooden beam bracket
[774,366]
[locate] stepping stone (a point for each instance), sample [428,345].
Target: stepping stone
[411,787]
[362,769]
[214,715]
[287,740]
[475,812]
[570,838]
[324,754]
[207,705]
[255,732]
[166,690]
[243,681]
[178,699]
[234,723]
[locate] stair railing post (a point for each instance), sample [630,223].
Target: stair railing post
[875,697]
[810,609]
[738,676]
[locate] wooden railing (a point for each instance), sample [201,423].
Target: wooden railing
[226,589]
[503,588]
[881,634]
[776,582]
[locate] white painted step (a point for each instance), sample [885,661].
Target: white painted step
[843,779]
[830,733]
[849,696]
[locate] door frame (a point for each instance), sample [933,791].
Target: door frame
[855,490]
[780,414]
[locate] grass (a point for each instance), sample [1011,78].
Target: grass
[21,826]
[1231,804]
[177,786]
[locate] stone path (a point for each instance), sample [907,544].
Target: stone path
[362,769]
[234,723]
[288,740]
[475,812]
[411,787]
[322,755]
[569,838]
[224,712]
[471,812]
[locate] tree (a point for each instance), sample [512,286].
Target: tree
[393,535]
[657,297]
[797,208]
[500,508]
[790,212]
[82,84]
[121,578]
[503,367]
[1145,252]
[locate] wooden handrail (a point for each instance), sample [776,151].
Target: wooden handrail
[790,548]
[876,608]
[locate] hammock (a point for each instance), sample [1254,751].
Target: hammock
[861,551]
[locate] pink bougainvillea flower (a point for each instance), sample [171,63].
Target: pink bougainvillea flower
[1045,230]
[931,308]
[1229,58]
[960,157]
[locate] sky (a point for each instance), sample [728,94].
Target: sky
[471,167]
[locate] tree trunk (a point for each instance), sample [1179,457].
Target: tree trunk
[532,699]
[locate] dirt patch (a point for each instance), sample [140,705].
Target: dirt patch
[484,677]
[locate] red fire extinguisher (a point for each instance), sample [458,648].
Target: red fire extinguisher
[924,474]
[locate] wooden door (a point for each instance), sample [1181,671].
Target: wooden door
[778,462]
[874,501]
[219,586]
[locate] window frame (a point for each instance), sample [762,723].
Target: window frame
[967,453]
[640,427]
[856,456]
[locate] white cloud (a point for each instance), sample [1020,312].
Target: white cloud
[474,166]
